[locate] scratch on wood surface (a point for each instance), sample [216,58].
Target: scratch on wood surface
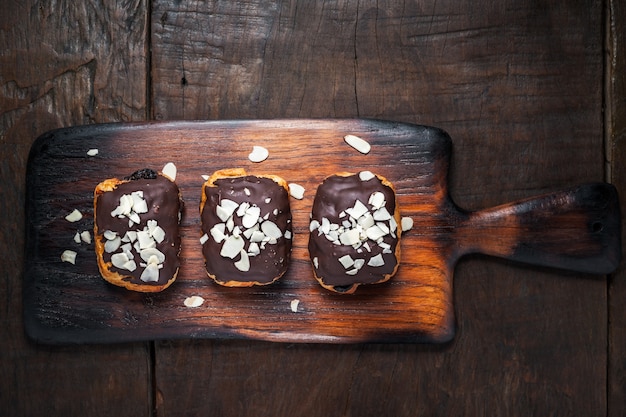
[20,100]
[353,377]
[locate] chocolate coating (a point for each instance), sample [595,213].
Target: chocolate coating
[164,205]
[273,260]
[336,194]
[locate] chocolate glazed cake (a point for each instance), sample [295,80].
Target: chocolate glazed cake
[136,223]
[354,231]
[246,226]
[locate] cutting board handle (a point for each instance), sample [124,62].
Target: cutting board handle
[576,229]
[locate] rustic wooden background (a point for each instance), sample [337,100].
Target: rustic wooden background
[533,94]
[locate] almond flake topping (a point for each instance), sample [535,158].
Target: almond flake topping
[142,241]
[406,223]
[130,206]
[296,191]
[169,170]
[258,154]
[74,216]
[69,256]
[363,226]
[358,143]
[193,301]
[239,243]
[366,175]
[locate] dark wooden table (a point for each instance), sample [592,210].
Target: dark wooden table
[533,95]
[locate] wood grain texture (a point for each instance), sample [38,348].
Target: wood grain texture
[616,154]
[63,64]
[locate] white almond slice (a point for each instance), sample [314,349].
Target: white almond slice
[193,301]
[131,235]
[271,230]
[218,232]
[153,259]
[248,232]
[366,221]
[251,217]
[74,216]
[346,261]
[127,248]
[366,175]
[205,177]
[333,235]
[158,234]
[169,170]
[258,154]
[109,235]
[112,245]
[124,208]
[139,204]
[257,236]
[294,305]
[406,223]
[254,249]
[150,274]
[357,210]
[382,214]
[314,225]
[134,218]
[358,263]
[352,271]
[393,225]
[375,233]
[243,264]
[246,191]
[69,256]
[145,240]
[77,237]
[383,227]
[92,152]
[151,224]
[226,208]
[350,237]
[85,236]
[268,200]
[296,191]
[130,265]
[204,238]
[325,226]
[119,260]
[241,210]
[237,231]
[376,261]
[357,143]
[287,234]
[232,246]
[316,262]
[377,200]
[152,255]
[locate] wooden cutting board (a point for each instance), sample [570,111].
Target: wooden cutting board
[576,229]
